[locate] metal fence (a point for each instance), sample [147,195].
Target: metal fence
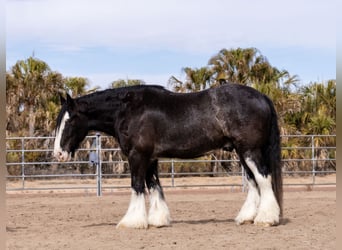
[98,165]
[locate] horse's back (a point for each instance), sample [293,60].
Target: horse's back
[230,107]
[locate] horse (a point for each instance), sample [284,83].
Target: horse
[150,122]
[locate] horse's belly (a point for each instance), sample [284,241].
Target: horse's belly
[189,146]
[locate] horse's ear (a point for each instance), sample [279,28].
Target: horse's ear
[222,81]
[62,99]
[70,102]
[69,98]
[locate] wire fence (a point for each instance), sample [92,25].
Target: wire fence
[99,164]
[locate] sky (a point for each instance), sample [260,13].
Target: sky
[152,40]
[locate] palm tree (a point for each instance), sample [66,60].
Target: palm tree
[196,80]
[123,83]
[34,82]
[326,94]
[32,100]
[315,114]
[77,86]
[12,109]
[235,65]
[319,107]
[248,67]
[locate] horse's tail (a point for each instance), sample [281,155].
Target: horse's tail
[273,157]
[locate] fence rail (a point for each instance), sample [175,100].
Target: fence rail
[30,158]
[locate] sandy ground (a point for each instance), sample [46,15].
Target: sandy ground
[114,184]
[202,219]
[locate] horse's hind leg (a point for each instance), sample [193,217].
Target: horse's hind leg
[268,211]
[158,214]
[250,208]
[136,216]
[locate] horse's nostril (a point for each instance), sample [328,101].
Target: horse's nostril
[58,155]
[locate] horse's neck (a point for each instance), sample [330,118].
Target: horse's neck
[106,127]
[101,116]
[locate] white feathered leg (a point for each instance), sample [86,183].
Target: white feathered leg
[158,214]
[249,209]
[135,216]
[269,211]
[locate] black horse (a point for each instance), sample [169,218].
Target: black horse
[151,122]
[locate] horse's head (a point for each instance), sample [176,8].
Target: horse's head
[71,129]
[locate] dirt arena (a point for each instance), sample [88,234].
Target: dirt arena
[202,219]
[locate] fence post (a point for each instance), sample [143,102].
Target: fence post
[98,165]
[313,159]
[23,162]
[172,173]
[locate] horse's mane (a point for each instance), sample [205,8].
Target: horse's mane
[119,91]
[60,116]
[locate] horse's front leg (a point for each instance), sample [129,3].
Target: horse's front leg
[158,215]
[136,216]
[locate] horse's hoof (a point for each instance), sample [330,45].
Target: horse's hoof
[119,225]
[265,224]
[243,222]
[267,219]
[158,226]
[142,225]
[159,221]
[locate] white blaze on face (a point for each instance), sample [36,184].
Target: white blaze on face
[58,151]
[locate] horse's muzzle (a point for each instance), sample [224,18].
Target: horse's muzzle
[62,156]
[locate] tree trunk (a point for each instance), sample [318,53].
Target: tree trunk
[32,120]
